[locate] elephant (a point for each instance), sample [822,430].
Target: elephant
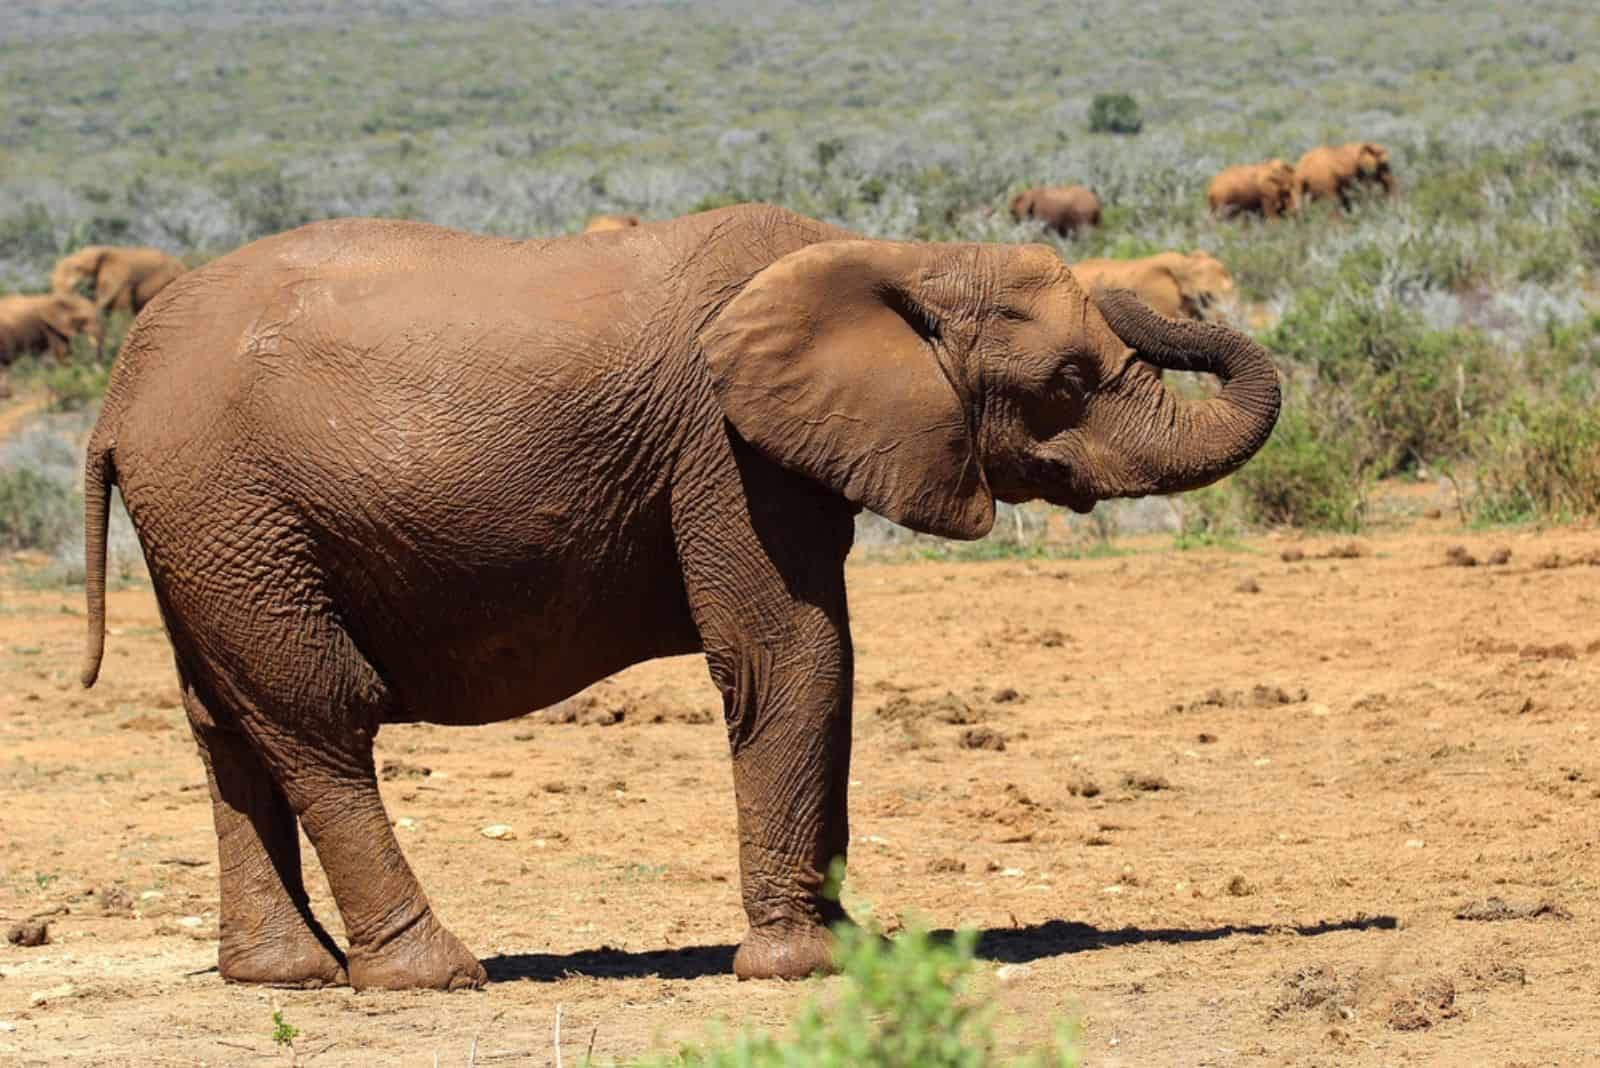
[44,323]
[1066,209]
[603,223]
[1332,172]
[118,279]
[1266,189]
[384,471]
[1179,285]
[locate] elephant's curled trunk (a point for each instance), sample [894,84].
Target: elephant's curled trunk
[1198,441]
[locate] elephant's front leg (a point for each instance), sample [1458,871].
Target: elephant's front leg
[788,711]
[767,590]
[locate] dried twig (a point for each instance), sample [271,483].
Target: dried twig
[558,1036]
[588,1054]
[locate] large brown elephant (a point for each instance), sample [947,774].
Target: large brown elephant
[117,279]
[1066,209]
[44,323]
[454,478]
[1193,285]
[600,224]
[1266,189]
[1334,172]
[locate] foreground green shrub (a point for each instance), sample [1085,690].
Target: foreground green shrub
[36,512]
[1539,460]
[1312,473]
[908,1003]
[1115,113]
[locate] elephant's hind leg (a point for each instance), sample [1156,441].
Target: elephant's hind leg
[315,733]
[268,932]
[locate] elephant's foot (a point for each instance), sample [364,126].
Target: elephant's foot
[303,959]
[421,956]
[785,951]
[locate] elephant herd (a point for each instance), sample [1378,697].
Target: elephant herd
[1196,284]
[84,287]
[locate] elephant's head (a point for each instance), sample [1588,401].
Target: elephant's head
[70,315]
[77,273]
[925,381]
[1206,280]
[1372,163]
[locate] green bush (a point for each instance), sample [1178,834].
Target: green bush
[36,512]
[1539,459]
[906,1003]
[1312,473]
[1417,388]
[1115,113]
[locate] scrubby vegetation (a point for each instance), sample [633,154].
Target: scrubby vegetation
[909,1003]
[1451,329]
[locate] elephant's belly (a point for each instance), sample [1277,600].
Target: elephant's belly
[502,658]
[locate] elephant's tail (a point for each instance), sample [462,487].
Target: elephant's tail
[100,474]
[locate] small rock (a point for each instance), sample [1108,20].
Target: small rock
[29,933]
[1291,556]
[190,922]
[1415,843]
[1010,973]
[983,738]
[1205,738]
[1247,585]
[1457,556]
[7,1027]
[151,895]
[405,823]
[499,832]
[55,993]
[1005,696]
[1011,873]
[1500,556]
[1145,783]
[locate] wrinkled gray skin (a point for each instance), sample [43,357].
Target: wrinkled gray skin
[388,472]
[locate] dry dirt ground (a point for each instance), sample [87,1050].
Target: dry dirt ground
[1251,808]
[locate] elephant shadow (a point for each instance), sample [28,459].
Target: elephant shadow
[1004,945]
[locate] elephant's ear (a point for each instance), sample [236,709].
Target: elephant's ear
[826,364]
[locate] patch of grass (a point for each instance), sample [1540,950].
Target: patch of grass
[1539,459]
[36,511]
[908,1003]
[1313,473]
[1115,113]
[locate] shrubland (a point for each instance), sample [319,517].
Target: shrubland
[1452,330]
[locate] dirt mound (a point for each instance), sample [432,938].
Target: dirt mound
[946,709]
[1258,696]
[1494,909]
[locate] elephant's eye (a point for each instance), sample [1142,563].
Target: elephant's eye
[1010,314]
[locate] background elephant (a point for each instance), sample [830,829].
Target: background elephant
[1332,172]
[602,223]
[44,323]
[1266,189]
[1062,208]
[117,279]
[1179,285]
[670,435]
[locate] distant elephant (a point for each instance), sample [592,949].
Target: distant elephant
[1266,189]
[44,323]
[1066,209]
[1332,172]
[602,223]
[118,279]
[670,435]
[1179,285]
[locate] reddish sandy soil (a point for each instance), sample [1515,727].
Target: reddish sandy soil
[1241,802]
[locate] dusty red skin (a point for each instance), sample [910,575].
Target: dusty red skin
[118,279]
[1332,172]
[387,472]
[44,323]
[1266,189]
[1066,209]
[1178,285]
